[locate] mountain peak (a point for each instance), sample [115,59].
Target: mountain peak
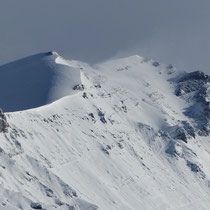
[36,81]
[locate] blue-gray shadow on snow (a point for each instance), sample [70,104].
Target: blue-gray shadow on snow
[27,83]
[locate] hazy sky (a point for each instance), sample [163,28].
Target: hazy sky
[172,31]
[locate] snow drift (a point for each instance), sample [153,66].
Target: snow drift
[35,81]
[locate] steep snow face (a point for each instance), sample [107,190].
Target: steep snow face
[35,81]
[123,141]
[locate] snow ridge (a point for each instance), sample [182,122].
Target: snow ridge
[35,81]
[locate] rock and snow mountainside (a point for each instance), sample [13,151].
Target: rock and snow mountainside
[126,134]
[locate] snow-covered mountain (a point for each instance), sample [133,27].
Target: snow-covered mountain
[126,134]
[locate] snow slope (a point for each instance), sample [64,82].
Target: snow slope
[120,141]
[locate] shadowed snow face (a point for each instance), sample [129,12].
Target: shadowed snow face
[35,81]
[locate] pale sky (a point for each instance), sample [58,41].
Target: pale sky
[94,30]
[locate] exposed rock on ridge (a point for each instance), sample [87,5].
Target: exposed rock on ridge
[194,87]
[3,122]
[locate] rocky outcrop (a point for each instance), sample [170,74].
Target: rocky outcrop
[3,122]
[182,131]
[194,87]
[190,82]
[80,87]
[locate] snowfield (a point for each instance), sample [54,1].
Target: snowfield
[117,136]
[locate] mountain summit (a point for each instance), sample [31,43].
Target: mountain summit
[35,81]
